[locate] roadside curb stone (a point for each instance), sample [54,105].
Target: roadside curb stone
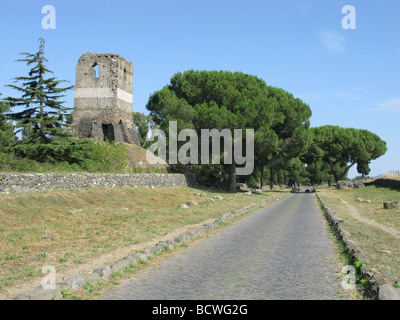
[41,294]
[104,272]
[141,256]
[388,292]
[73,283]
[92,278]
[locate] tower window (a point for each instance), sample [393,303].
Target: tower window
[96,69]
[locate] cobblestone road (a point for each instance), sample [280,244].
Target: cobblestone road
[280,252]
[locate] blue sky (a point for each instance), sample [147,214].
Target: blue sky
[349,77]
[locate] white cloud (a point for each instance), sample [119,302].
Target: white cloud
[333,41]
[351,93]
[392,105]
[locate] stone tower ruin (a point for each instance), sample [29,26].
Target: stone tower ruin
[103,98]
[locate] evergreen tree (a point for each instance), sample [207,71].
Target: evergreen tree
[41,118]
[291,135]
[213,100]
[6,129]
[342,148]
[363,168]
[144,123]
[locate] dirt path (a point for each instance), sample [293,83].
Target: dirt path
[354,212]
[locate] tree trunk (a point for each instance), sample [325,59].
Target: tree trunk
[41,115]
[262,176]
[335,174]
[271,179]
[346,171]
[232,178]
[339,177]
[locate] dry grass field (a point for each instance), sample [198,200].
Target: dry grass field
[85,228]
[391,175]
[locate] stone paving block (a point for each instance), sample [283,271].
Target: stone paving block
[280,252]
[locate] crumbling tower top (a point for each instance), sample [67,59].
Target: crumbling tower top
[103,98]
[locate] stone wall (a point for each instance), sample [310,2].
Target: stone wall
[350,184]
[31,182]
[387,183]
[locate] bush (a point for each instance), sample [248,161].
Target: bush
[10,162]
[90,156]
[106,157]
